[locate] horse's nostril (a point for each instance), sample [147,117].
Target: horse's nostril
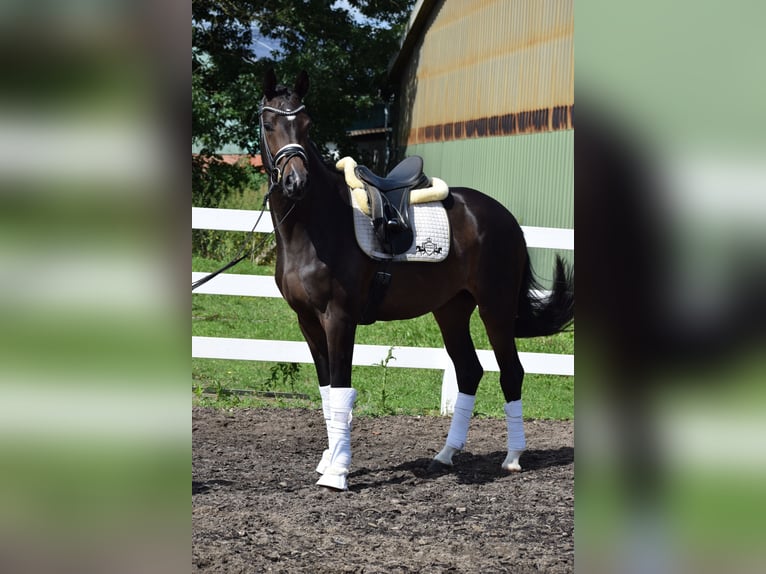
[294,180]
[294,183]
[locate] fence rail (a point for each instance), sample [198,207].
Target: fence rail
[243,220]
[365,355]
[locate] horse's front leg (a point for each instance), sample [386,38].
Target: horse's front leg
[314,334]
[340,332]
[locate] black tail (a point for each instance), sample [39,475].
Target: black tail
[540,316]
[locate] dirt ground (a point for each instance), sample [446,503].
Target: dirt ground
[255,507]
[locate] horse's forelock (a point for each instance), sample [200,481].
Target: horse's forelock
[287,94]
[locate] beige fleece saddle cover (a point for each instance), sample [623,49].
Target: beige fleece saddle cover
[427,215]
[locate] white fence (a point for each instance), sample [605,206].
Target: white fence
[365,355]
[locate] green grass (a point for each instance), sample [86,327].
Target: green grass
[381,390]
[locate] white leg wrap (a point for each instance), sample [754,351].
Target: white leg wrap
[516,440]
[458,429]
[324,392]
[339,435]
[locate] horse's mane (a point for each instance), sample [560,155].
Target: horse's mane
[328,163]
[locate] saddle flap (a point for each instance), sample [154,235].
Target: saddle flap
[390,216]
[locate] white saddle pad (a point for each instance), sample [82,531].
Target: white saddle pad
[431,230]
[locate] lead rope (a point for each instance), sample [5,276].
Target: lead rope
[239,257]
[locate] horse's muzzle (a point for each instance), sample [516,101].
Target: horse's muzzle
[294,183]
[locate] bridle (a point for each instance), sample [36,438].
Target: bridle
[285,153]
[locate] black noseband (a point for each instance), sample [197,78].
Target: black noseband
[285,154]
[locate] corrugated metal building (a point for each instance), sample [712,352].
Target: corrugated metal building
[487,98]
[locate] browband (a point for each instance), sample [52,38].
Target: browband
[281,112]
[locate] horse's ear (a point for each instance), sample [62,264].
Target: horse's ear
[269,84]
[302,84]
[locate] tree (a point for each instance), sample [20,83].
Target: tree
[344,46]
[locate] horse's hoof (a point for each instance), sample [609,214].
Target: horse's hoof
[511,462]
[445,455]
[337,482]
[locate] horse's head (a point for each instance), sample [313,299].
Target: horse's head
[284,134]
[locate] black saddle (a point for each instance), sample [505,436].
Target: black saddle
[407,174]
[389,199]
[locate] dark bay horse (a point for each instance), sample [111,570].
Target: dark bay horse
[326,279]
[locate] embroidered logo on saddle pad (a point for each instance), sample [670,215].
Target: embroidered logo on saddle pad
[431,241]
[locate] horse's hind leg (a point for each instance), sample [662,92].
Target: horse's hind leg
[454,321]
[499,322]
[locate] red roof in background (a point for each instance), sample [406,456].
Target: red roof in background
[231,158]
[234,158]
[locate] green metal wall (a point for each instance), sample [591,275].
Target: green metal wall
[532,175]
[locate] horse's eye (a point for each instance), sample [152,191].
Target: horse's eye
[268,126]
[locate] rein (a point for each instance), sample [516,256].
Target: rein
[238,257]
[284,154]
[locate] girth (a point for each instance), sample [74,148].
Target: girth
[389,200]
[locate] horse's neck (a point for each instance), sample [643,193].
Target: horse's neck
[327,184]
[321,206]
